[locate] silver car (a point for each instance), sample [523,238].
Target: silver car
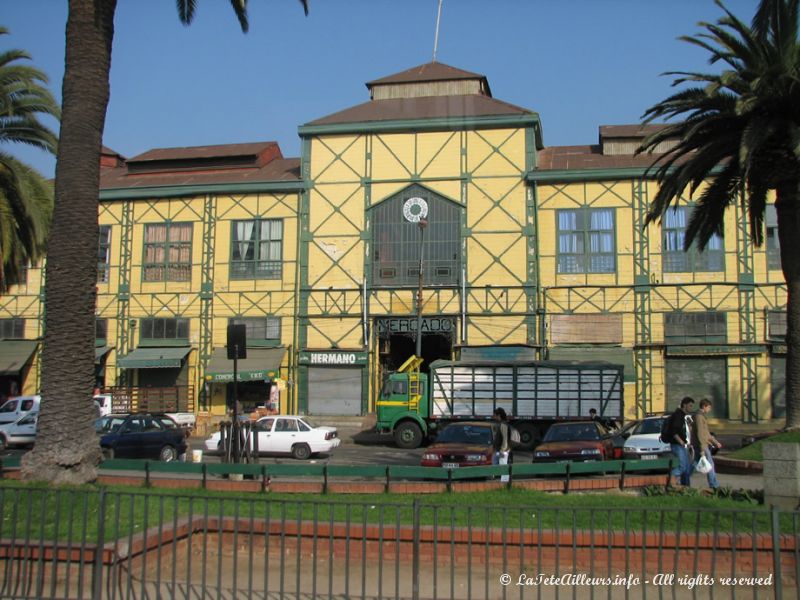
[644,441]
[21,432]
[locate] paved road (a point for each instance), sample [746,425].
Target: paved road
[367,448]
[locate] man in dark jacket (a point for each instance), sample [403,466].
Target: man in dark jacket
[679,437]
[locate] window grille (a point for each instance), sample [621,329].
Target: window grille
[167,252]
[256,251]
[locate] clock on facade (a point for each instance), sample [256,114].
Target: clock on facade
[415,209]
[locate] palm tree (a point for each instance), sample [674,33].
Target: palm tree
[66,451]
[739,132]
[26,199]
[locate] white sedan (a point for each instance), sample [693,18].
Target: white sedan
[285,435]
[644,441]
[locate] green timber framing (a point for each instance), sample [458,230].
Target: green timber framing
[646,288]
[152,302]
[526,299]
[320,301]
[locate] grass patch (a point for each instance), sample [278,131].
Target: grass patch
[755,451]
[78,513]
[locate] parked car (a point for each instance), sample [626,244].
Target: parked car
[621,434]
[141,435]
[21,432]
[467,444]
[292,435]
[644,440]
[14,408]
[575,441]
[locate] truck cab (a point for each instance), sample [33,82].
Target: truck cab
[403,405]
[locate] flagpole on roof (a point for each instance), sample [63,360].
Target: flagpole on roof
[436,36]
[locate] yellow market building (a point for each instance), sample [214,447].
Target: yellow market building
[525,250]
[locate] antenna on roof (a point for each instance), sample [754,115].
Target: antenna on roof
[436,37]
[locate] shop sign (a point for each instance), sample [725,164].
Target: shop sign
[333,358]
[409,325]
[241,376]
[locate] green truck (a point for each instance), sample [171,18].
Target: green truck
[414,406]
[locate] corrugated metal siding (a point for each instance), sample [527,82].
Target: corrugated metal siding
[429,88]
[699,378]
[628,147]
[586,329]
[334,391]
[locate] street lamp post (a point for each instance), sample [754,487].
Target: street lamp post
[422,223]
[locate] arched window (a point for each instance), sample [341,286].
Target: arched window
[397,242]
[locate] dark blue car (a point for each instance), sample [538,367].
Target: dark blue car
[141,435]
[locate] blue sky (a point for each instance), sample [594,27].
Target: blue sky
[578,63]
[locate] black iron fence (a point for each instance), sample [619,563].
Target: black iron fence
[78,543]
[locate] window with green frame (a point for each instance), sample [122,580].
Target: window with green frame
[167,252]
[256,249]
[397,242]
[163,329]
[12,329]
[675,259]
[707,327]
[772,242]
[104,253]
[586,240]
[260,331]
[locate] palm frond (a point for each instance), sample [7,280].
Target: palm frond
[707,217]
[186,9]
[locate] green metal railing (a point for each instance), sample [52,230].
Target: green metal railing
[103,544]
[387,474]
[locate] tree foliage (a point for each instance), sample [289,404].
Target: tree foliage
[736,135]
[26,199]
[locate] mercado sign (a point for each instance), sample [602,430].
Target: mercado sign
[401,325]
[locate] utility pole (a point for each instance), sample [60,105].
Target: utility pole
[422,223]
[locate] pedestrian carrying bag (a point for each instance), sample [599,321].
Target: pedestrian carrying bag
[513,435]
[703,465]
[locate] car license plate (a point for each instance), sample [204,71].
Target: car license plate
[450,465]
[649,456]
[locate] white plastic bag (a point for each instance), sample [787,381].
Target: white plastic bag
[703,465]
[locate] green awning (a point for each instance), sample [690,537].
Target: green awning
[154,358]
[261,364]
[100,352]
[14,354]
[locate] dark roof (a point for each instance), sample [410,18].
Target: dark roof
[281,169]
[252,149]
[428,107]
[629,131]
[198,165]
[432,71]
[556,158]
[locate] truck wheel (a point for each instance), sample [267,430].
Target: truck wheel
[408,435]
[301,451]
[529,436]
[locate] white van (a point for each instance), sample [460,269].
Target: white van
[14,408]
[102,404]
[21,432]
